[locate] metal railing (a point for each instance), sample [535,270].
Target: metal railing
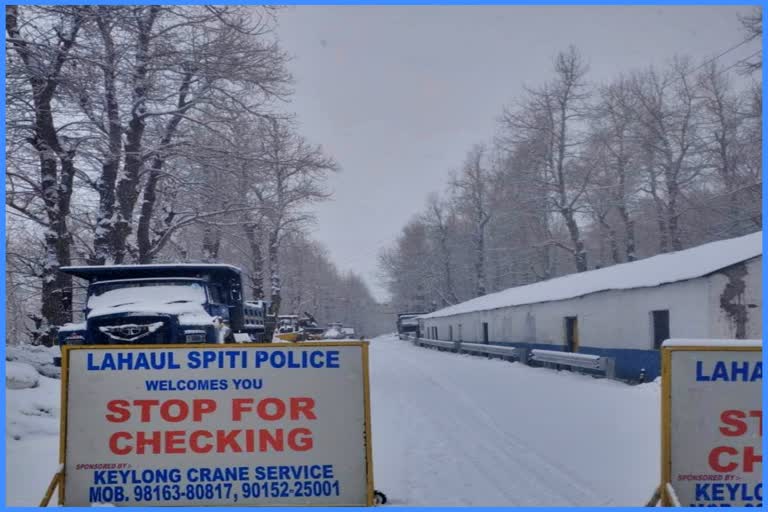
[509,353]
[606,365]
[602,364]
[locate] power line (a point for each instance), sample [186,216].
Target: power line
[713,59]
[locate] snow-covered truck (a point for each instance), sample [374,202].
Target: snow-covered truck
[408,324]
[164,304]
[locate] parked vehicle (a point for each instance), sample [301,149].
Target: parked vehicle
[334,331]
[164,304]
[259,324]
[294,328]
[408,324]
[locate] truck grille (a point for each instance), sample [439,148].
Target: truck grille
[131,330]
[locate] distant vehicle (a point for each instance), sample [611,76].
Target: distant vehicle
[348,332]
[164,304]
[408,324]
[334,331]
[311,328]
[258,322]
[294,328]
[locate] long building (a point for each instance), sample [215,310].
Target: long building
[624,311]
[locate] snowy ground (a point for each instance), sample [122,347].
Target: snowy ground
[453,430]
[448,430]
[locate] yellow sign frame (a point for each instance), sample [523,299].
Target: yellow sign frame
[367,437]
[666,403]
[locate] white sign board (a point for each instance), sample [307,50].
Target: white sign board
[212,425]
[712,422]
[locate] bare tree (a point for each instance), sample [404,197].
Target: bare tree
[293,173]
[669,129]
[552,115]
[471,194]
[44,47]
[440,221]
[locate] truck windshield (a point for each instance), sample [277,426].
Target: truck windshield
[123,293]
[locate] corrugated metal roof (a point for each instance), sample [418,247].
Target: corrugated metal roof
[649,272]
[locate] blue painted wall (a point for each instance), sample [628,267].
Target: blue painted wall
[630,363]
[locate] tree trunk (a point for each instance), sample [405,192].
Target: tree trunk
[253,235]
[128,184]
[579,254]
[56,307]
[103,238]
[274,271]
[211,244]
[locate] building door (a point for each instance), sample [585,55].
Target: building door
[571,334]
[450,333]
[485,332]
[660,327]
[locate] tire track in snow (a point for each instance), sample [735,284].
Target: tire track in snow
[442,448]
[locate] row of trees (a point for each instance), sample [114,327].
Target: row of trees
[138,134]
[584,175]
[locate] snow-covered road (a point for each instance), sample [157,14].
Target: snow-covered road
[464,430]
[447,430]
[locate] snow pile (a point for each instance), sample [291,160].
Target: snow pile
[657,270]
[20,376]
[32,434]
[38,356]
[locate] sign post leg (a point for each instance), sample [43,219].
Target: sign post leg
[51,487]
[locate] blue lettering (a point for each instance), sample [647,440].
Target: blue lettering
[735,371]
[193,359]
[702,492]
[91,366]
[700,377]
[720,372]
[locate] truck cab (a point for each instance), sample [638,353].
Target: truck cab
[408,324]
[161,304]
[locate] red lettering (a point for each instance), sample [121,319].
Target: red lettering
[239,407]
[165,410]
[146,407]
[114,448]
[119,408]
[303,405]
[155,442]
[751,458]
[759,416]
[262,411]
[224,439]
[174,441]
[194,444]
[733,418]
[714,459]
[202,406]
[300,439]
[276,441]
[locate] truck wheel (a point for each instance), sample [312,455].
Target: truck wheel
[379,498]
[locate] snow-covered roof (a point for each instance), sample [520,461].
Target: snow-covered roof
[649,272]
[713,343]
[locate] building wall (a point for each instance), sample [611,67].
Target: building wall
[618,323]
[735,297]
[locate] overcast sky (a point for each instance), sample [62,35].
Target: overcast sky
[398,94]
